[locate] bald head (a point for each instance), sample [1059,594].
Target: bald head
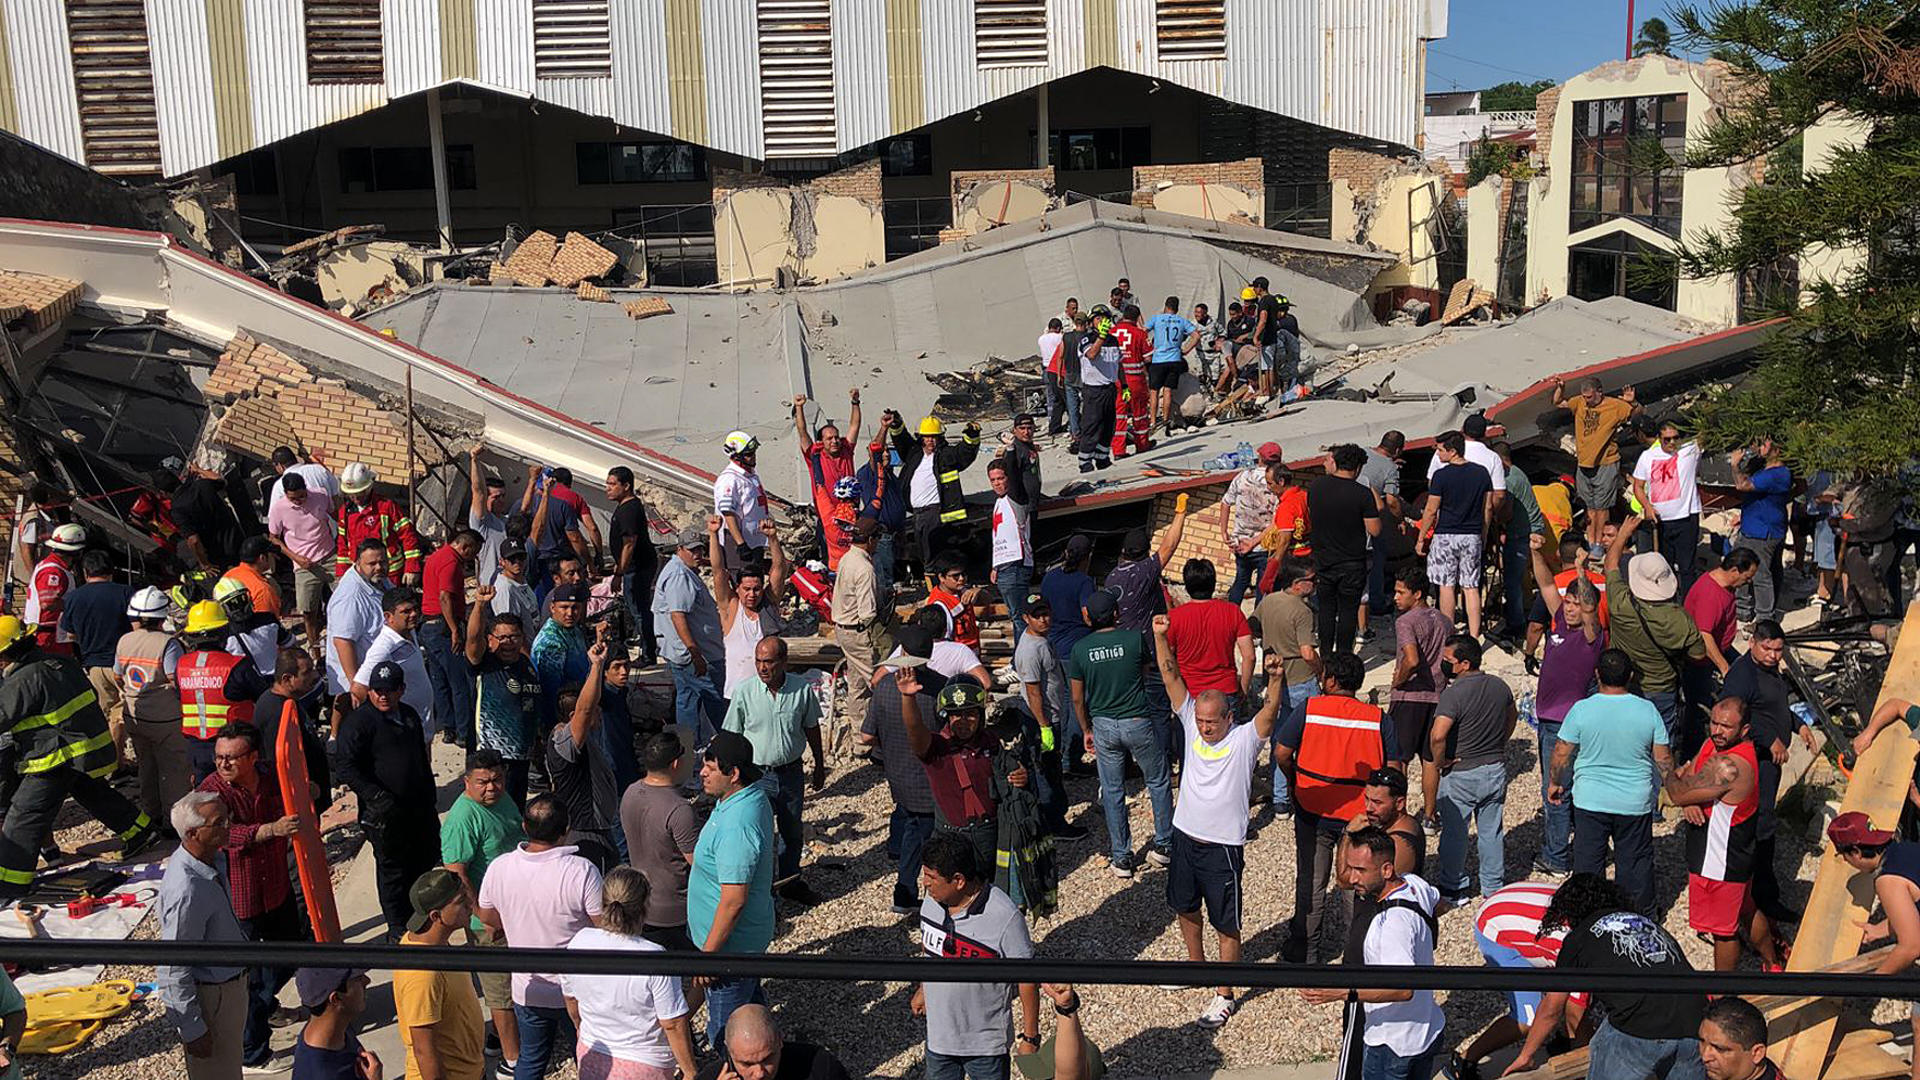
[770,662]
[754,1042]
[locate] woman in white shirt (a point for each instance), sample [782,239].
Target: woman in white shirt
[632,1027]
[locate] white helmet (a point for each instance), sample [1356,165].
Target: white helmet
[739,442]
[148,603]
[68,537]
[357,478]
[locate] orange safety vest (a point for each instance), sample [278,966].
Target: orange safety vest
[204,708]
[1339,748]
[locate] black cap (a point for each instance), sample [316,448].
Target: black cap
[386,676]
[568,594]
[1102,605]
[1079,546]
[1134,545]
[730,750]
[513,548]
[914,640]
[864,527]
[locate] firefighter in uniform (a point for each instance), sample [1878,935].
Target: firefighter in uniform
[1339,743]
[930,469]
[202,675]
[1132,418]
[48,708]
[362,514]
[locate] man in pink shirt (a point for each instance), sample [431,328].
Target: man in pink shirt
[1710,604]
[301,526]
[539,895]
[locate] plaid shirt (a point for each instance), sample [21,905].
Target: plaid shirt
[256,869]
[1250,503]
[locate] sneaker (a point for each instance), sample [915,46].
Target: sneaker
[1542,870]
[1070,832]
[504,1070]
[1124,866]
[278,1062]
[798,891]
[138,846]
[1459,1068]
[1159,857]
[905,909]
[1218,1011]
[285,1017]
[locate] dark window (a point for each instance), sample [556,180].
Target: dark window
[914,224]
[1769,289]
[1090,149]
[365,169]
[1626,155]
[256,172]
[1619,265]
[639,162]
[677,242]
[907,155]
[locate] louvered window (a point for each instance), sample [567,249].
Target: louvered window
[343,42]
[1191,29]
[113,75]
[796,77]
[1010,31]
[572,39]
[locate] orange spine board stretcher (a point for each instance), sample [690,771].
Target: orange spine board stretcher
[310,856]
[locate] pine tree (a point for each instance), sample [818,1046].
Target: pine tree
[1839,387]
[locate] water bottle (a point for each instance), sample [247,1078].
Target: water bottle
[1243,456]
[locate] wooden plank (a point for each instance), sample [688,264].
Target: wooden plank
[1831,929]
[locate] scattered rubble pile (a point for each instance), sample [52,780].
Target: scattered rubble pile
[996,389]
[540,260]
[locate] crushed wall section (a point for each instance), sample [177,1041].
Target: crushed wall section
[767,231]
[988,198]
[1232,191]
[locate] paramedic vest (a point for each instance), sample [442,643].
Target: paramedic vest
[204,708]
[1339,748]
[1722,849]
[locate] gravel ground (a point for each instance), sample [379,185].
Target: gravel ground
[1142,1030]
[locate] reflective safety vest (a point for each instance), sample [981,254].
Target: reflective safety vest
[204,708]
[1339,748]
[49,708]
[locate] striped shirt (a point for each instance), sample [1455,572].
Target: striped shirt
[1511,917]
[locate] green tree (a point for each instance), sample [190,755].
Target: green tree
[1655,39]
[1839,386]
[1487,158]
[1512,96]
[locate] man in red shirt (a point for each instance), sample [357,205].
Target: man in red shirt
[1710,604]
[443,623]
[256,871]
[1212,640]
[1131,417]
[827,455]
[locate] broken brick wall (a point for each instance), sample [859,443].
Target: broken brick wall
[1204,537]
[825,228]
[987,198]
[1544,104]
[1233,191]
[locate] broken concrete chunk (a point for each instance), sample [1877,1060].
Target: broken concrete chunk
[579,259]
[37,299]
[592,292]
[531,261]
[647,307]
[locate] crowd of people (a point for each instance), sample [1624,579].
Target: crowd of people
[581,824]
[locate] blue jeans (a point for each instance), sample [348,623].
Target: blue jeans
[982,1067]
[1246,575]
[1668,702]
[451,678]
[1014,579]
[1615,1053]
[1473,798]
[1113,741]
[1380,1063]
[1557,819]
[1072,390]
[1297,695]
[698,704]
[883,567]
[909,831]
[543,1031]
[263,984]
[786,788]
[722,998]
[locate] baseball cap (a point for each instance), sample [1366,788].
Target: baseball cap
[386,676]
[1079,546]
[1269,451]
[431,891]
[1102,605]
[1650,577]
[695,537]
[568,594]
[316,985]
[513,548]
[730,750]
[1855,829]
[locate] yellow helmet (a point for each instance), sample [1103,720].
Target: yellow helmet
[1248,294]
[931,426]
[206,617]
[11,631]
[233,596]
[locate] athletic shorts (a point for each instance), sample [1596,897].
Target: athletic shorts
[496,987]
[1165,376]
[1717,907]
[1598,486]
[1455,559]
[1206,873]
[1413,723]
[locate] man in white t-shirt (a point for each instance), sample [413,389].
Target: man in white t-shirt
[400,609]
[1665,481]
[1012,531]
[950,658]
[1052,345]
[318,477]
[1210,818]
[1399,1030]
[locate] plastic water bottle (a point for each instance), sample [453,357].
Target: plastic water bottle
[1243,455]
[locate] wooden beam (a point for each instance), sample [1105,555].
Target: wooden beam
[1832,927]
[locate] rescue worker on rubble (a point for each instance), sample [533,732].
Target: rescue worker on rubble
[362,515]
[1133,420]
[48,588]
[49,709]
[930,467]
[202,674]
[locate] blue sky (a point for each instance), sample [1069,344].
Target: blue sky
[1493,41]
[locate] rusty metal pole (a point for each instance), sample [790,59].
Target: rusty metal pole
[413,511]
[1629,55]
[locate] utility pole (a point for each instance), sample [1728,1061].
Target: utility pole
[1629,55]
